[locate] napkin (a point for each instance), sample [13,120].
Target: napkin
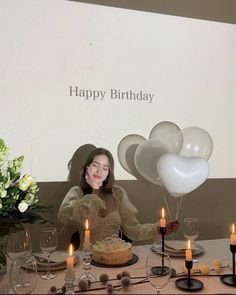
[55,257]
[178,246]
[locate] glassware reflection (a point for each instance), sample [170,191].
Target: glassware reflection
[48,243]
[23,277]
[158,270]
[19,243]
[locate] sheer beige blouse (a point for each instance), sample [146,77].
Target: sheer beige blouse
[76,207]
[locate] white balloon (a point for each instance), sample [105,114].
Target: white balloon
[195,142]
[126,150]
[181,175]
[166,132]
[146,157]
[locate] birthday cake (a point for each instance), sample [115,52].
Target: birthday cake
[112,251]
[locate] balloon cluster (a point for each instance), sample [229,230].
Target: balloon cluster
[173,157]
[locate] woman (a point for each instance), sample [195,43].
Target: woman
[104,204]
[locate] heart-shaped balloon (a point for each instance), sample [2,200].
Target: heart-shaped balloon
[181,175]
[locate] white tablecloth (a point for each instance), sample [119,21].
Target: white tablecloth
[213,249]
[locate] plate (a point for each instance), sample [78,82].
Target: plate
[175,245]
[57,260]
[198,249]
[133,260]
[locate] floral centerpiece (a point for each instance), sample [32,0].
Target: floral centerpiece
[19,203]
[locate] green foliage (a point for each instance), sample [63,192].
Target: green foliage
[19,202]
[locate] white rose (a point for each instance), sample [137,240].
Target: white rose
[3,193]
[26,182]
[23,206]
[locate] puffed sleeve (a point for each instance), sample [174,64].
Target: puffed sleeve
[129,222]
[77,207]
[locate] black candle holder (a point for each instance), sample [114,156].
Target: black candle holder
[230,279]
[160,270]
[189,284]
[162,232]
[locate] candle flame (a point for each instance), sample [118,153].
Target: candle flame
[86,224]
[71,249]
[233,229]
[162,213]
[188,244]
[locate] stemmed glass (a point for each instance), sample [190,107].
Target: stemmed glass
[23,269]
[19,243]
[48,243]
[158,270]
[23,277]
[191,229]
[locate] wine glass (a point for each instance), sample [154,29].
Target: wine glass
[19,243]
[48,243]
[23,269]
[158,270]
[23,277]
[191,229]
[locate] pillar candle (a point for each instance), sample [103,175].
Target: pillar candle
[87,244]
[188,252]
[233,236]
[70,262]
[162,220]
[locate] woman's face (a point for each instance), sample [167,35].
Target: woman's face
[99,168]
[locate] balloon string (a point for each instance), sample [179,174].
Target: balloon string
[166,203]
[179,203]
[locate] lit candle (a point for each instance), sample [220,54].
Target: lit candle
[188,252]
[233,236]
[70,262]
[162,220]
[87,244]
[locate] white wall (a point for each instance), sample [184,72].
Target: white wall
[188,65]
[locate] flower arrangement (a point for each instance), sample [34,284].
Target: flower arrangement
[19,202]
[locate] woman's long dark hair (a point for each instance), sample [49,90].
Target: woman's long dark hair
[108,182]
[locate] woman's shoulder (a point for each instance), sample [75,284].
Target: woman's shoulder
[75,190]
[123,201]
[116,189]
[119,193]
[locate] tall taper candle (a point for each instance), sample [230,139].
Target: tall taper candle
[70,262]
[188,252]
[87,244]
[163,219]
[233,236]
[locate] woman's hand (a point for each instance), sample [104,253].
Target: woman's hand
[93,182]
[171,227]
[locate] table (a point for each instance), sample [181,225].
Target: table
[213,249]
